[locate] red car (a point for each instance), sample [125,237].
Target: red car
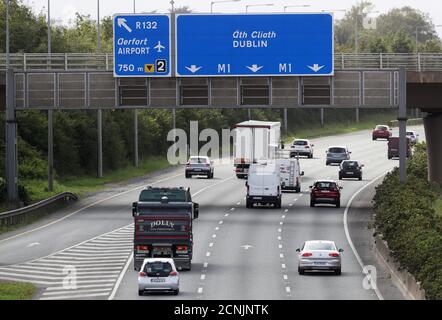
[382,132]
[325,192]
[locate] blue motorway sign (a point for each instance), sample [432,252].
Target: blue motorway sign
[254,45]
[142,45]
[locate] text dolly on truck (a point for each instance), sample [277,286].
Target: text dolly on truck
[163,219]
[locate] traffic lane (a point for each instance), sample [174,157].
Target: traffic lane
[216,205]
[92,220]
[244,261]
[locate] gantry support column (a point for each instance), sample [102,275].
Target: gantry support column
[433,132]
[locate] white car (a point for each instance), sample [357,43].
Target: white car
[264,185]
[158,275]
[319,255]
[414,137]
[301,147]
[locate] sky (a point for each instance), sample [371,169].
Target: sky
[64,11]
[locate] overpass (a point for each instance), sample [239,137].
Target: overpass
[86,81]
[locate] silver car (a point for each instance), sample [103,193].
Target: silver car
[158,275]
[414,137]
[337,154]
[320,255]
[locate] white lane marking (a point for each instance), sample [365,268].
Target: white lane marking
[206,264]
[226,215]
[33,244]
[285,277]
[287,289]
[286,210]
[347,233]
[281,255]
[84,208]
[238,203]
[301,195]
[76,296]
[101,286]
[280,246]
[232,209]
[211,244]
[207,254]
[279,238]
[211,186]
[200,290]
[283,217]
[283,265]
[214,236]
[217,228]
[279,230]
[46,294]
[221,222]
[203,277]
[120,278]
[281,223]
[291,205]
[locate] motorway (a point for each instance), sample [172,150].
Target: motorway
[239,253]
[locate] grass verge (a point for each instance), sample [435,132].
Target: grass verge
[16,291]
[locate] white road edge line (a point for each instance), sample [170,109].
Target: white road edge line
[120,278]
[347,233]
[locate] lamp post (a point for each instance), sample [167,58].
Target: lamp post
[222,1]
[258,5]
[50,116]
[99,112]
[297,6]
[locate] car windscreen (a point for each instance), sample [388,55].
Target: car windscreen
[336,150]
[319,246]
[410,134]
[197,160]
[300,143]
[158,269]
[155,195]
[350,164]
[382,128]
[325,185]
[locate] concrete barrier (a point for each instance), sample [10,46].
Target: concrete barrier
[403,280]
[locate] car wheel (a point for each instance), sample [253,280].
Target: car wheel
[338,272]
[300,271]
[175,292]
[298,189]
[312,203]
[310,156]
[140,292]
[248,204]
[188,176]
[374,139]
[338,204]
[327,163]
[360,178]
[340,177]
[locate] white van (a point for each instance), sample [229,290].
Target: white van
[291,174]
[264,185]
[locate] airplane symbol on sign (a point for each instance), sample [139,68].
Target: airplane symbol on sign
[159,47]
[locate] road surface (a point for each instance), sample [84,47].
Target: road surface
[84,252]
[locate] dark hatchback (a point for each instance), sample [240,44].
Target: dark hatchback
[350,169]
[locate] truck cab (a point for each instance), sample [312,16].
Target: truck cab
[163,223]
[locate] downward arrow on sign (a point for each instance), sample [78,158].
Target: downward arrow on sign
[316,67]
[193,68]
[254,68]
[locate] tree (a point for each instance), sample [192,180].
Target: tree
[402,43]
[431,46]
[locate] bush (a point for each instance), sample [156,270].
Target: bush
[406,218]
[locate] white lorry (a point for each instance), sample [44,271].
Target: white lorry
[254,141]
[290,173]
[264,185]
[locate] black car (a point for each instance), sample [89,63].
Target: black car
[350,169]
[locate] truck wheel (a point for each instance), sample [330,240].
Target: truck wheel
[140,292]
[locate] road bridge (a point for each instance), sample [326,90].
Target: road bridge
[86,82]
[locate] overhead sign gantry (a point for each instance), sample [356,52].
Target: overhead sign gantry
[254,45]
[142,45]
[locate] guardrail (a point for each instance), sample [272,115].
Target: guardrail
[18,216]
[104,62]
